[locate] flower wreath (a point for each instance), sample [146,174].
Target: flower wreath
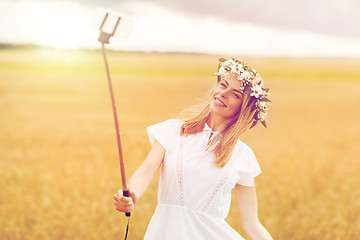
[249,78]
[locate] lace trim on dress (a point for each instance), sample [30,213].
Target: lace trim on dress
[220,184]
[179,172]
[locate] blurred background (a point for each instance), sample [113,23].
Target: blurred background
[58,157]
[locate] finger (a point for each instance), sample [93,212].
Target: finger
[127,204]
[116,197]
[120,197]
[124,208]
[123,202]
[119,207]
[120,192]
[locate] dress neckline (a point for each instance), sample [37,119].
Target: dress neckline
[208,128]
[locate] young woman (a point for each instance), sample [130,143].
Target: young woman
[202,160]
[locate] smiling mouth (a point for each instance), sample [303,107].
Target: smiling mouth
[219,102]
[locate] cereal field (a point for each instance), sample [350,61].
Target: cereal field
[58,156]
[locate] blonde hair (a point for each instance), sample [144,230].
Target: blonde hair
[224,143]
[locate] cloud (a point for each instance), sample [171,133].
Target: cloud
[159,29]
[336,17]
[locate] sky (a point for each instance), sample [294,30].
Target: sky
[282,28]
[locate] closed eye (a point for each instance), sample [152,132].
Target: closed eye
[224,83]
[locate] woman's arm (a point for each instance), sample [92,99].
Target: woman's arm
[248,208]
[141,179]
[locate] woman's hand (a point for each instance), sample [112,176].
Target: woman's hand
[125,204]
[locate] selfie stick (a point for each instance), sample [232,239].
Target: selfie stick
[104,39]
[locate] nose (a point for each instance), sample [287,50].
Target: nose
[224,93]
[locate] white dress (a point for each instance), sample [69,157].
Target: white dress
[194,195]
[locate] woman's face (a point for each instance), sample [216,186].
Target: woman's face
[226,99]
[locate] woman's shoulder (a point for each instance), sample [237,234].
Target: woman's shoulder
[243,153]
[245,159]
[164,132]
[246,164]
[169,126]
[243,148]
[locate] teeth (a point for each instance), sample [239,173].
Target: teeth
[219,102]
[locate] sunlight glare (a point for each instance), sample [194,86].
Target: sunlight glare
[65,33]
[66,26]
[54,24]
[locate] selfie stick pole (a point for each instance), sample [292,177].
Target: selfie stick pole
[104,39]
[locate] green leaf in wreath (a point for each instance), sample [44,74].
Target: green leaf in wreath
[254,123]
[266,100]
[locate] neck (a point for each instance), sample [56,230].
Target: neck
[217,123]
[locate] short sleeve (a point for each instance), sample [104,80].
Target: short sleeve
[162,132]
[248,167]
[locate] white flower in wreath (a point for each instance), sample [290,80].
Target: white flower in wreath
[233,69]
[221,71]
[257,79]
[245,75]
[262,105]
[256,91]
[262,116]
[230,63]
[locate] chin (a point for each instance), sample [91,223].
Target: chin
[213,107]
[215,110]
